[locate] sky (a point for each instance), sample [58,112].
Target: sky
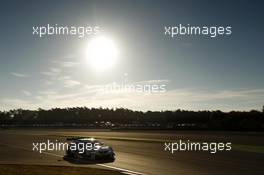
[199,72]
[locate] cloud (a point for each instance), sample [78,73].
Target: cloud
[49,73]
[55,70]
[48,92]
[189,99]
[14,103]
[71,83]
[48,82]
[68,64]
[64,78]
[154,82]
[52,72]
[20,75]
[212,95]
[66,61]
[27,93]
[77,93]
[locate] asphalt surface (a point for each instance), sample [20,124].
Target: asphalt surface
[142,152]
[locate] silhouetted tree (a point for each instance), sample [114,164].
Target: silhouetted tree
[121,117]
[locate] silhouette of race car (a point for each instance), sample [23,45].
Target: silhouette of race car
[89,149]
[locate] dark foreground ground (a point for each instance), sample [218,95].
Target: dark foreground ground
[141,152]
[14,169]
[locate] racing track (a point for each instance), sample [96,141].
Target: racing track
[142,152]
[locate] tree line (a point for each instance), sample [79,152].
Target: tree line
[121,118]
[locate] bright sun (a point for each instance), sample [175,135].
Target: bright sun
[102,53]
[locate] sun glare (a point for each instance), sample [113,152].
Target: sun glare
[102,53]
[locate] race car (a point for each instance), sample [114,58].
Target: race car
[89,149]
